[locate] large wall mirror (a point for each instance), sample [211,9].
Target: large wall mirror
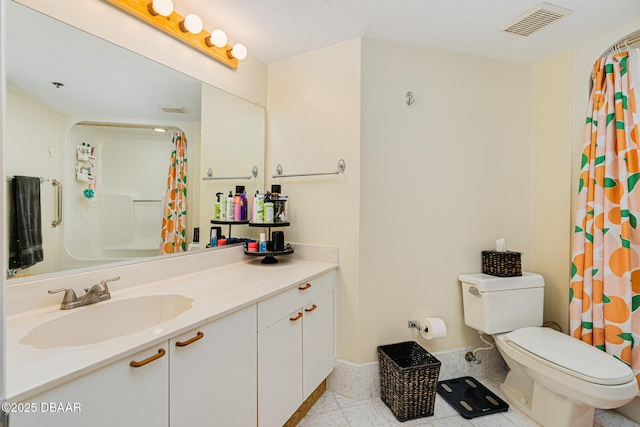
[86,113]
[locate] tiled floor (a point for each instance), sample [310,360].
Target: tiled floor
[335,410]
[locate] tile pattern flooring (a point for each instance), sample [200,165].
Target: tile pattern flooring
[335,410]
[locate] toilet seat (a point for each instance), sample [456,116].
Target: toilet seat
[569,355]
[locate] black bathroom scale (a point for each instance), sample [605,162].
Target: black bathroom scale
[470,398]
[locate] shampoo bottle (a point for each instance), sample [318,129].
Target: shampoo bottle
[223,208]
[230,206]
[245,206]
[241,199]
[258,208]
[237,205]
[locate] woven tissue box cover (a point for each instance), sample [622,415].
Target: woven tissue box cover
[502,264]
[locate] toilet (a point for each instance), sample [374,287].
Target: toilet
[553,378]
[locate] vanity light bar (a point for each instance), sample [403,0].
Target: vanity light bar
[173,25]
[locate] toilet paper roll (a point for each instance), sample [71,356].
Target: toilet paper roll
[432,327]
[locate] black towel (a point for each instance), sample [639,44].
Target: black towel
[25,247]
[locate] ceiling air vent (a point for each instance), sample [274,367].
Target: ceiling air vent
[177,110]
[536,19]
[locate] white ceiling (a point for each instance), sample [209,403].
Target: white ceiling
[100,79]
[276,29]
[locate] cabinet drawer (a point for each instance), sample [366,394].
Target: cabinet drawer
[274,309]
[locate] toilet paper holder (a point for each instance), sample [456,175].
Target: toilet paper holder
[416,324]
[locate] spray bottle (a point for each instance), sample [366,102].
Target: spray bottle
[216,207]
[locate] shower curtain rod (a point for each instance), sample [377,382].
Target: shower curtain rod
[126,126]
[624,43]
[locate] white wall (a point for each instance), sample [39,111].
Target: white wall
[427,187]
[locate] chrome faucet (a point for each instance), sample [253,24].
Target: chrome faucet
[96,293]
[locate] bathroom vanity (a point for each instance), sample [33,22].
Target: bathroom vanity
[248,345]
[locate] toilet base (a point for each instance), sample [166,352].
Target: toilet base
[543,405]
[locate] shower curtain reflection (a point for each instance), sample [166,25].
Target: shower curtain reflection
[174,218]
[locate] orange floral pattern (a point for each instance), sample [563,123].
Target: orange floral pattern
[174,219]
[605,270]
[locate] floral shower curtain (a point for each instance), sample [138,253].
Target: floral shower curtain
[605,276]
[174,218]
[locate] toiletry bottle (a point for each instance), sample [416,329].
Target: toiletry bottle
[258,208]
[262,246]
[245,205]
[230,209]
[268,208]
[216,207]
[237,204]
[279,204]
[213,237]
[223,208]
[254,207]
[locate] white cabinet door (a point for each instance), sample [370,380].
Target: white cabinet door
[213,373]
[318,342]
[116,395]
[280,370]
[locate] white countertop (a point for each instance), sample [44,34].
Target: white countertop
[215,293]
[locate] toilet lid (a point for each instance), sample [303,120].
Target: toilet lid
[570,355]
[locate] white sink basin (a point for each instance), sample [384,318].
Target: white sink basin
[105,320]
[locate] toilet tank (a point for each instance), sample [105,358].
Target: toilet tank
[502,304]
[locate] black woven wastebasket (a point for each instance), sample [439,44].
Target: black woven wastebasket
[408,380]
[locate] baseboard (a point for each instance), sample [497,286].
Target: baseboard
[306,405]
[362,381]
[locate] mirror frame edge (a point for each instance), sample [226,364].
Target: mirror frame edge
[4,215]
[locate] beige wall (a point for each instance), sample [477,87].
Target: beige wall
[438,183]
[441,180]
[314,119]
[552,182]
[27,153]
[233,141]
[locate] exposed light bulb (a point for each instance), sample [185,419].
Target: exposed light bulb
[218,38]
[239,51]
[160,7]
[192,23]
